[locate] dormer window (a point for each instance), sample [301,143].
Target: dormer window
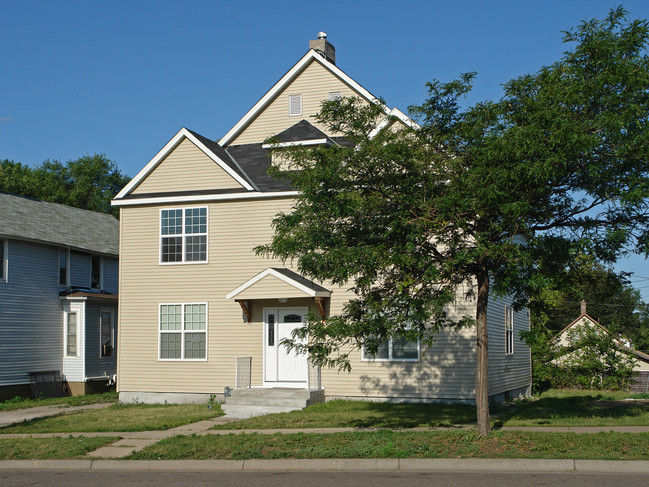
[294,105]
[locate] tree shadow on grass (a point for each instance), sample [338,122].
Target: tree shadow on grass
[548,411]
[409,415]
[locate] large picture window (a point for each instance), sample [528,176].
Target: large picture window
[183,235]
[395,349]
[183,331]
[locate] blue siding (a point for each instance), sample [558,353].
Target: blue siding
[79,270]
[111,278]
[31,317]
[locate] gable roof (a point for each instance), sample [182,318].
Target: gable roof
[310,56]
[300,283]
[31,219]
[210,148]
[301,132]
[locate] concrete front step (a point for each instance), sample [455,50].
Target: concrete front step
[245,403]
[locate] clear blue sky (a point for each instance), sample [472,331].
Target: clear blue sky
[121,77]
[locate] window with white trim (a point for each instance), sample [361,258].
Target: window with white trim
[294,105]
[183,331]
[509,330]
[71,334]
[395,350]
[3,260]
[183,235]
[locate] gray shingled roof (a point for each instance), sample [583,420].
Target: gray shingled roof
[301,279]
[301,131]
[31,219]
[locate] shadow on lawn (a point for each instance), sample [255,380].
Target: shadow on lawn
[547,410]
[408,415]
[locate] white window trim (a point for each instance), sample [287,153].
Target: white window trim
[112,333]
[509,330]
[65,331]
[183,235]
[182,333]
[67,268]
[5,260]
[101,272]
[366,358]
[290,105]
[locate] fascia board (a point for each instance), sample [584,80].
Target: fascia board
[287,78]
[183,133]
[201,198]
[297,142]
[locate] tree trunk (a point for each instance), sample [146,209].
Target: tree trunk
[482,359]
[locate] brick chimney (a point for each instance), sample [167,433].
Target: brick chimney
[583,307]
[321,45]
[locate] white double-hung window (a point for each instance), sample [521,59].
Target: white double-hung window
[183,331]
[183,235]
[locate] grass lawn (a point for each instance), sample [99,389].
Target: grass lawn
[576,408]
[47,448]
[363,414]
[412,444]
[131,417]
[21,403]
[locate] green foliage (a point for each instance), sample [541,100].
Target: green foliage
[89,182]
[502,194]
[591,358]
[610,297]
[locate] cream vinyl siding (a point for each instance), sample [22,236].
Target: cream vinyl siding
[446,370]
[234,229]
[314,83]
[507,372]
[189,164]
[270,287]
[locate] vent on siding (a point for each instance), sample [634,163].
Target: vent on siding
[295,105]
[334,95]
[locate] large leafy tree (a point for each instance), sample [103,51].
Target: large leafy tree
[496,195]
[89,182]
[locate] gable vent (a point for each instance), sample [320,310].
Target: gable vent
[294,105]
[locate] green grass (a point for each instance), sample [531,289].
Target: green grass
[413,444]
[363,414]
[575,408]
[131,417]
[22,403]
[47,448]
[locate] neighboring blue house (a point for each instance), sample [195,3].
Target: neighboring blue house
[58,295]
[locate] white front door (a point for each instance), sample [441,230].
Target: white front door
[280,366]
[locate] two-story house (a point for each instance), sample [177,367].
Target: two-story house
[200,312]
[58,296]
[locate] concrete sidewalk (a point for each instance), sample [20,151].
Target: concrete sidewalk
[129,442]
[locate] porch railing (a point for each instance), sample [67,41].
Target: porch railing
[243,366]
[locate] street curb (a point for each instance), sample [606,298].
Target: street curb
[511,465]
